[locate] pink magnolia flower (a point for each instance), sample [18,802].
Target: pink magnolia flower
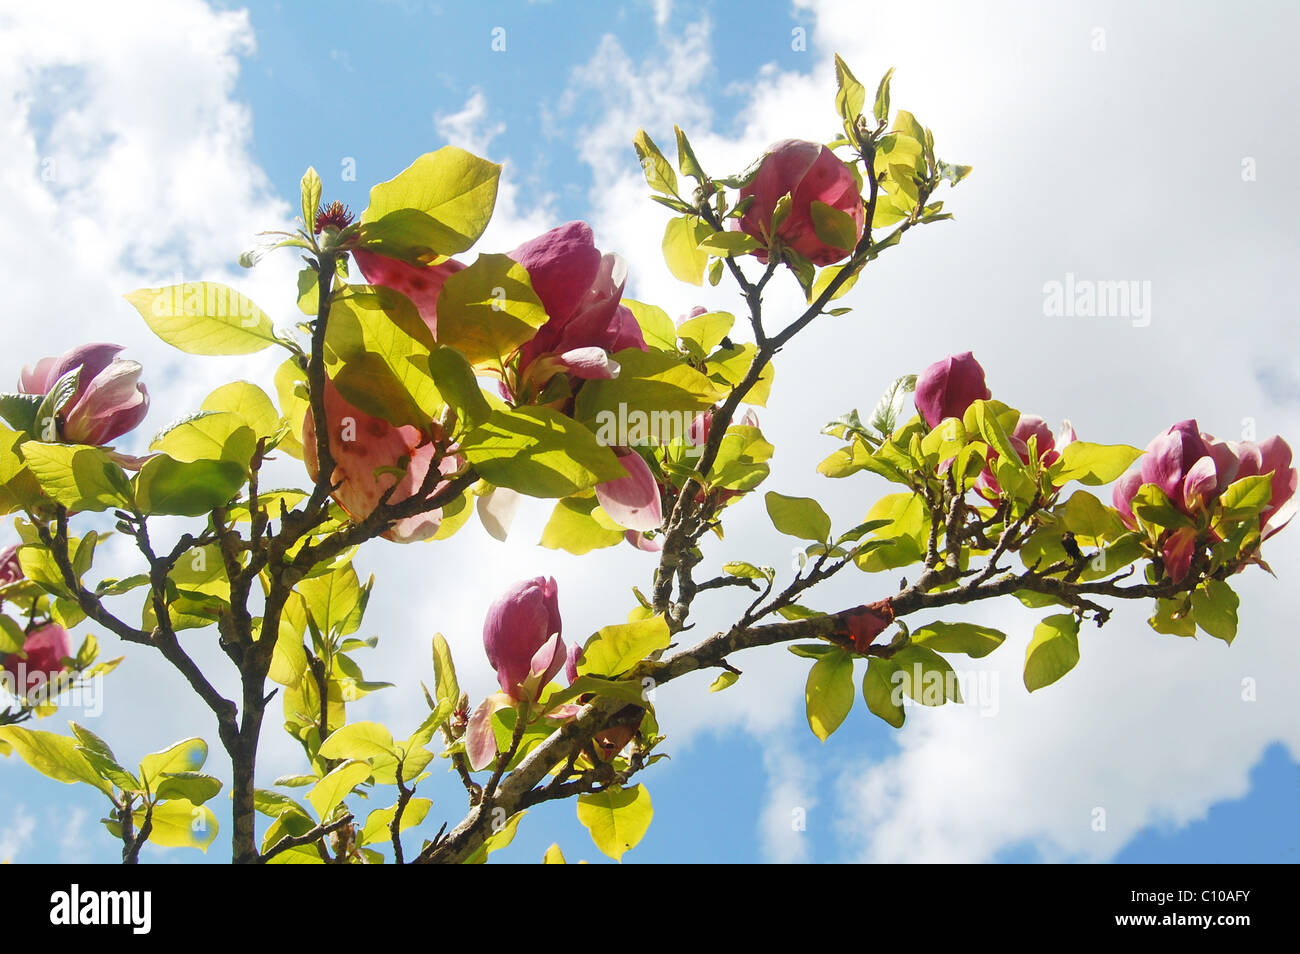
[46,648]
[808,172]
[521,635]
[949,386]
[1193,470]
[109,399]
[581,290]
[367,450]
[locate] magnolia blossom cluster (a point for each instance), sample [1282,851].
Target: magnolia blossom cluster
[1190,467]
[581,290]
[1193,470]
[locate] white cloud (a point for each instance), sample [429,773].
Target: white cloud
[791,801]
[17,834]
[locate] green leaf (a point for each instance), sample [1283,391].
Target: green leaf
[1242,500]
[169,487]
[1215,606]
[575,528]
[828,695]
[358,740]
[377,353]
[335,786]
[741,462]
[881,108]
[77,476]
[310,188]
[204,318]
[850,95]
[907,533]
[208,435]
[1093,464]
[993,420]
[20,411]
[800,517]
[927,677]
[703,333]
[499,839]
[336,600]
[1091,521]
[553,856]
[486,311]
[748,571]
[656,327]
[617,818]
[686,160]
[827,275]
[184,756]
[194,787]
[681,247]
[455,379]
[658,171]
[178,823]
[52,755]
[724,244]
[648,382]
[837,229]
[883,697]
[1053,651]
[1173,617]
[438,205]
[973,640]
[884,416]
[448,689]
[1151,505]
[249,402]
[377,830]
[539,452]
[724,681]
[616,649]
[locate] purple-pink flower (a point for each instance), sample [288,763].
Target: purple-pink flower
[808,172]
[45,648]
[522,637]
[949,386]
[582,291]
[109,399]
[1193,470]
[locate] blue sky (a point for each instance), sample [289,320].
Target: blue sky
[1184,769]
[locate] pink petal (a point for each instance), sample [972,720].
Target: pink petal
[633,501]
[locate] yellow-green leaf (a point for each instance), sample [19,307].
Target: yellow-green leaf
[204,318]
[617,818]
